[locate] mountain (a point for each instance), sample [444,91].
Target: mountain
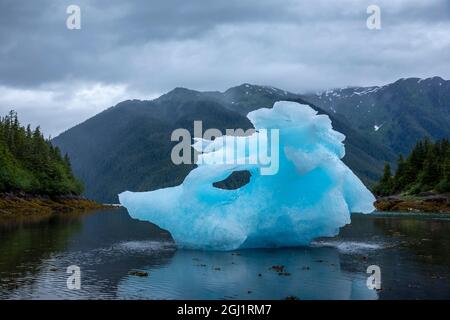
[127,147]
[396,115]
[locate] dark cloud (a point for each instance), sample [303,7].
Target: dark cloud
[129,49]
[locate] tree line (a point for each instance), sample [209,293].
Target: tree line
[30,164]
[427,168]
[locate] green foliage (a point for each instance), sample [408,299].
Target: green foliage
[427,168]
[386,183]
[29,163]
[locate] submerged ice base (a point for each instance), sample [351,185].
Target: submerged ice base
[310,196]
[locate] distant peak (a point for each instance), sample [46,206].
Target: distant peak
[419,80]
[248,88]
[179,93]
[244,86]
[181,90]
[436,79]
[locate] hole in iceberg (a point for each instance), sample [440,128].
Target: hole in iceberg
[236,180]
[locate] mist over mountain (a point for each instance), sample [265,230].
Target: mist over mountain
[128,146]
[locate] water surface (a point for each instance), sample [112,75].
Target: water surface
[412,250]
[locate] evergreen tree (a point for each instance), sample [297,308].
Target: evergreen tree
[400,178]
[385,186]
[29,163]
[427,168]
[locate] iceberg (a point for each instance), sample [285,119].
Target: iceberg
[311,195]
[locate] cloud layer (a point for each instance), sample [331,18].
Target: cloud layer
[138,49]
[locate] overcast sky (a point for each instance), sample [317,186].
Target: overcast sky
[58,77]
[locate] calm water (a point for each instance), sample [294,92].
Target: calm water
[413,252]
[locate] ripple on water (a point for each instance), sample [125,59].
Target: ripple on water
[144,246]
[349,246]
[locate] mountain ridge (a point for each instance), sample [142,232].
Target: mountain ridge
[127,147]
[396,114]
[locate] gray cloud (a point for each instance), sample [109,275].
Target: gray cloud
[139,49]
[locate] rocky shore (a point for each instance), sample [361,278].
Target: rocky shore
[26,205]
[425,202]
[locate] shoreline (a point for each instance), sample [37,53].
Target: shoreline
[21,205]
[427,202]
[14,206]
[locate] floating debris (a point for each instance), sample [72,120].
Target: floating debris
[138,273]
[278,268]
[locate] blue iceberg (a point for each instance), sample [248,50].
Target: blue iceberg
[310,195]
